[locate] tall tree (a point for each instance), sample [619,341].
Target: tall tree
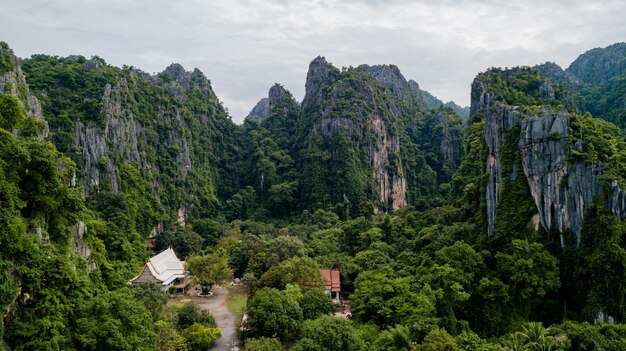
[272,313]
[208,270]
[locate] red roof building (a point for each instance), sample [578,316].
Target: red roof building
[333,280]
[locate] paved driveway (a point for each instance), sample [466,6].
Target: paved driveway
[226,320]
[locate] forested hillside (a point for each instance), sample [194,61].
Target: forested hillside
[502,233]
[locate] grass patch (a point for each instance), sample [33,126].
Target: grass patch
[177,303]
[237,298]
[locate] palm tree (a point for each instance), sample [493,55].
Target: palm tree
[534,337]
[515,342]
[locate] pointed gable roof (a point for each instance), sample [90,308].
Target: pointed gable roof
[165,267]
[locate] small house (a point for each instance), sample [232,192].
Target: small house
[166,270]
[333,281]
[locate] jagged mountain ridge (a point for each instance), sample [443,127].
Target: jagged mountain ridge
[382,168]
[170,133]
[364,116]
[260,111]
[594,67]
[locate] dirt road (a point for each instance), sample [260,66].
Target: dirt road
[226,320]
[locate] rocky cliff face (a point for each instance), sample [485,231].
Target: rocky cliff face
[13,81]
[80,247]
[562,191]
[283,110]
[436,132]
[260,111]
[378,134]
[121,136]
[278,99]
[120,131]
[391,77]
[498,120]
[163,126]
[562,188]
[349,102]
[320,73]
[389,187]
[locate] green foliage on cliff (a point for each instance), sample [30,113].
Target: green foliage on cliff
[601,249]
[595,141]
[335,157]
[361,130]
[439,139]
[470,180]
[71,89]
[352,148]
[169,135]
[179,115]
[607,101]
[516,206]
[45,284]
[597,80]
[7,63]
[525,87]
[11,113]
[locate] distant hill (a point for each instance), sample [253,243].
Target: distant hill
[597,79]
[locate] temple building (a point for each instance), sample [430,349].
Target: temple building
[166,270]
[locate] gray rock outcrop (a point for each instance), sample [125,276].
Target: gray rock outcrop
[561,189]
[391,77]
[80,247]
[122,136]
[319,74]
[277,99]
[260,111]
[13,81]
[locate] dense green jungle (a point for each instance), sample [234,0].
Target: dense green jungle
[498,227]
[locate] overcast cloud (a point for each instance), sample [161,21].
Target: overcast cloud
[245,46]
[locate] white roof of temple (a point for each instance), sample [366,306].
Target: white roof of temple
[164,268]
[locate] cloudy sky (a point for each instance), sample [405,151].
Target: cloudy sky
[245,46]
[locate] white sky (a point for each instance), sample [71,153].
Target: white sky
[245,46]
